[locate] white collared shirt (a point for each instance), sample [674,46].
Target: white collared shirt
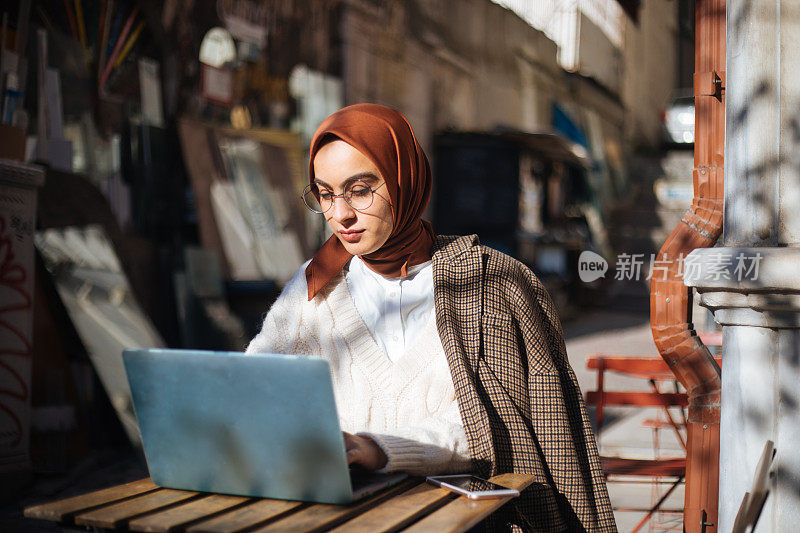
[395,310]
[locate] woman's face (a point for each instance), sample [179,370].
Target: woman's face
[336,166]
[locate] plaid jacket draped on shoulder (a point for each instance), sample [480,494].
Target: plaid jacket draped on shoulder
[520,402]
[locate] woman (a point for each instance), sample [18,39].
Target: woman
[446,356]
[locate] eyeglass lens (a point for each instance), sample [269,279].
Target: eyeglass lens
[319,199]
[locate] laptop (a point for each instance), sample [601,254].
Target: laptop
[250,425]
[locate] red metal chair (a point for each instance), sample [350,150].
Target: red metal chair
[654,370]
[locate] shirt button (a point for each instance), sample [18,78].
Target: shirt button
[395,338]
[393,294]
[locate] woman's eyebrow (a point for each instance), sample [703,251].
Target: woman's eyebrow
[363,176]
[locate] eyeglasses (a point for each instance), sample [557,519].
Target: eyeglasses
[357,194]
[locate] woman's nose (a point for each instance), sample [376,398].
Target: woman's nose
[341,210]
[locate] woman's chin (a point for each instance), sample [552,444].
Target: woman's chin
[355,248]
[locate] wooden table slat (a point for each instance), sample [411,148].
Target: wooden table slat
[245,517]
[114,515]
[61,510]
[400,511]
[321,517]
[143,506]
[182,515]
[462,513]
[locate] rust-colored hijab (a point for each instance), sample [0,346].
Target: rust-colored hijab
[385,137]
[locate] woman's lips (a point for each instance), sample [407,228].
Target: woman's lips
[351,236]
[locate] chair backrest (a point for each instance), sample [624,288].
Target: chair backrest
[648,368]
[652,368]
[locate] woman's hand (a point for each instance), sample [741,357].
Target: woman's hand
[364,451]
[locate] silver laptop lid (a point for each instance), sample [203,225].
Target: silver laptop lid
[254,425]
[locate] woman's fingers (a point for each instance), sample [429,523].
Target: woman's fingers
[353,455]
[351,447]
[363,451]
[349,440]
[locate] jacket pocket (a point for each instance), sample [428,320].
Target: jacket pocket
[503,353]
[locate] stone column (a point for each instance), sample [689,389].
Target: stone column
[752,283]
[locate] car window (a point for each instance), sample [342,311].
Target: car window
[685,100]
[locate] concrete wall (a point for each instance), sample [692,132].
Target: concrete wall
[650,65]
[471,65]
[450,64]
[597,56]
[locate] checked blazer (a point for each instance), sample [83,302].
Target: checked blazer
[519,399]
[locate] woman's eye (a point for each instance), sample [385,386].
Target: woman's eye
[359,191]
[325,194]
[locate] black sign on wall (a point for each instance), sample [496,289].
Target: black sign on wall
[476,180]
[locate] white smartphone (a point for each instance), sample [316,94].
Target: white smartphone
[472,487]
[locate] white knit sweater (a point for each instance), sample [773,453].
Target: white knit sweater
[407,407]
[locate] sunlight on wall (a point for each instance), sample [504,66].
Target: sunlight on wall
[560,20]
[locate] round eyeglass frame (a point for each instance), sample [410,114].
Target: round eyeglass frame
[343,196]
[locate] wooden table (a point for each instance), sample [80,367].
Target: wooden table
[142,506]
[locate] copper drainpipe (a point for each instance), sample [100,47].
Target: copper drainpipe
[670,300]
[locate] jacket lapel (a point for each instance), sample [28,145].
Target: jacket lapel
[458,286]
[457,283]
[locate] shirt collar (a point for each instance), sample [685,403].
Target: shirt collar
[357,263]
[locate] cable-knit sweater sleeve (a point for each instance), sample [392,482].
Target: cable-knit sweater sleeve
[435,445]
